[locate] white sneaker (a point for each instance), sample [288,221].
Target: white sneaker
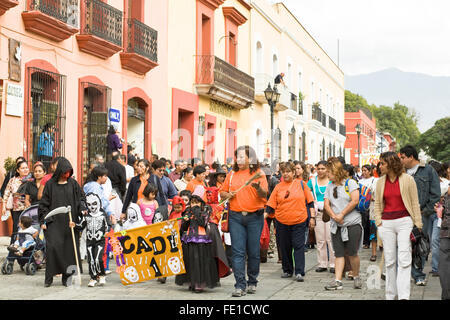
[102,281]
[108,272]
[92,283]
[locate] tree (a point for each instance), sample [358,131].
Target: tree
[436,140]
[399,121]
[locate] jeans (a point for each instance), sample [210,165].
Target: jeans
[245,234]
[429,228]
[444,268]
[398,258]
[291,238]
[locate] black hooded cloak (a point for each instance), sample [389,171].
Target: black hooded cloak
[60,255]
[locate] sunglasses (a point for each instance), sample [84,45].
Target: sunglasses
[335,192]
[287,194]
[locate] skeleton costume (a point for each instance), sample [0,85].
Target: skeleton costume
[134,218]
[97,225]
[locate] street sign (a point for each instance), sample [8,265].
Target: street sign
[114,115]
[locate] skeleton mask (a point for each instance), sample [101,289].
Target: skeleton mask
[132,215]
[174,264]
[158,217]
[94,204]
[131,274]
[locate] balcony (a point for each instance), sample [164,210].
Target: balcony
[5,5]
[285,98]
[293,105]
[316,113]
[324,120]
[220,80]
[141,48]
[101,29]
[332,123]
[262,80]
[342,129]
[56,20]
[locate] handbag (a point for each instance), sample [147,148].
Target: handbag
[325,216]
[265,236]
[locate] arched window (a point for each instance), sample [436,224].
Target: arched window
[275,65]
[259,58]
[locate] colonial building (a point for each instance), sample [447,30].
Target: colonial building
[77,67]
[367,136]
[308,120]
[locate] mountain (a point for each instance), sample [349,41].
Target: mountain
[428,95]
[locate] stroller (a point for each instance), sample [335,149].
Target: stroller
[32,258]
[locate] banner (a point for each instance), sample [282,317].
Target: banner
[370,158]
[148,252]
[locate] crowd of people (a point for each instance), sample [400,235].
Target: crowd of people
[302,206]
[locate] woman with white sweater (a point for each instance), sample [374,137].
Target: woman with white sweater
[397,210]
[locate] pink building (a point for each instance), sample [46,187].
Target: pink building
[367,136]
[79,66]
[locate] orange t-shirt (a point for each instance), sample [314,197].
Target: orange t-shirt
[144,183]
[247,198]
[291,210]
[194,183]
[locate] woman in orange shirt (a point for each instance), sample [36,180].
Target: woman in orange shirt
[198,183]
[246,218]
[288,203]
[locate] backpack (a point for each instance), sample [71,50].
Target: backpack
[365,195]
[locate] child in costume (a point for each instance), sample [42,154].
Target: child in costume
[201,269]
[148,204]
[178,207]
[97,225]
[212,195]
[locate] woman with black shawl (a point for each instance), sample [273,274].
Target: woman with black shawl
[61,191]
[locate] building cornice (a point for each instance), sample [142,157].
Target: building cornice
[234,15]
[213,4]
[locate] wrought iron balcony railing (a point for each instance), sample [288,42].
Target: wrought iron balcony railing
[293,102]
[342,129]
[103,21]
[142,40]
[332,123]
[316,113]
[63,10]
[324,119]
[214,71]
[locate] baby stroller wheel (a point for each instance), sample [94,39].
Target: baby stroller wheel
[8,267]
[30,268]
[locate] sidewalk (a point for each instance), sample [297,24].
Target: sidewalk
[270,286]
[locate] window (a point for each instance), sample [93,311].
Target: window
[259,58]
[275,65]
[45,120]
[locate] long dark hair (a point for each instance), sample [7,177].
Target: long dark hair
[254,164]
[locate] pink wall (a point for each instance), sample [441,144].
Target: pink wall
[68,60]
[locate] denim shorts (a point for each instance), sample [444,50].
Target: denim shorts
[351,246]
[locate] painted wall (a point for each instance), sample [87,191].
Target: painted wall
[66,57]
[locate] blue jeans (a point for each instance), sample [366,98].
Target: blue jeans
[292,238]
[429,228]
[245,234]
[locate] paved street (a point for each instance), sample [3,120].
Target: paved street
[271,286]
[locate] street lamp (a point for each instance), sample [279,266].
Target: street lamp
[272,97]
[358,132]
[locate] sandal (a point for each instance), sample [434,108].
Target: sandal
[350,275]
[373,258]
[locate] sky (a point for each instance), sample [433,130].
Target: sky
[411,35]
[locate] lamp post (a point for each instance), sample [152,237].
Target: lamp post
[358,132]
[272,97]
